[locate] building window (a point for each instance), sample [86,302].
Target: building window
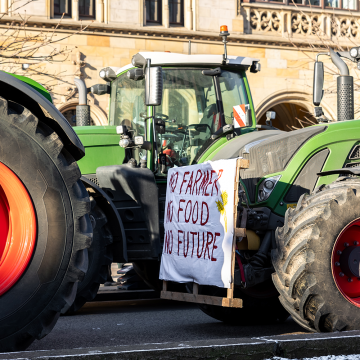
[87,8]
[323,4]
[176,12]
[62,7]
[153,11]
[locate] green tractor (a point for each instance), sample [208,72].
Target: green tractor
[169,110]
[176,110]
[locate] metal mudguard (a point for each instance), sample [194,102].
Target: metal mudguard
[135,195]
[16,90]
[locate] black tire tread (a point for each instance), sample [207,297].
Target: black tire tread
[102,240]
[302,245]
[47,139]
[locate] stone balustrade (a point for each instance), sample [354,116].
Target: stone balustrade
[293,21]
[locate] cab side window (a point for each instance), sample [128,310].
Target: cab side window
[128,103]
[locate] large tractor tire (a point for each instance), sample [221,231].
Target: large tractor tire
[100,257]
[317,258]
[45,228]
[260,305]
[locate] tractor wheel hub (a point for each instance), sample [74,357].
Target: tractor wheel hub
[350,261]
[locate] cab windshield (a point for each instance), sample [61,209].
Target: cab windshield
[194,106]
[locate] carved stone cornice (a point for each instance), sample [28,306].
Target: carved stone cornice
[249,38]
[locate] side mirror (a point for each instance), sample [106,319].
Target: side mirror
[153,85]
[318,83]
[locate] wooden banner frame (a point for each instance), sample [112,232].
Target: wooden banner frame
[229,300]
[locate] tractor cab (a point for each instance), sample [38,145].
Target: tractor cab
[195,108]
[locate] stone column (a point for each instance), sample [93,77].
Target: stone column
[289,24]
[328,26]
[106,12]
[4,6]
[194,14]
[188,16]
[100,10]
[75,9]
[165,14]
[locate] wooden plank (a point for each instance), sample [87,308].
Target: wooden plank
[239,164]
[164,285]
[240,232]
[201,299]
[243,163]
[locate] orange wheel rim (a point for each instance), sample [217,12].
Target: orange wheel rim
[17,228]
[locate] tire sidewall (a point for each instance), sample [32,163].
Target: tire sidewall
[37,169]
[322,246]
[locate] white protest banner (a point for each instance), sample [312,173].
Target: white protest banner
[199,224]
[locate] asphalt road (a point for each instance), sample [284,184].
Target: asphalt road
[146,321]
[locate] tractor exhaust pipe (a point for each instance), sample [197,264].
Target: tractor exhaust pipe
[345,89]
[82,110]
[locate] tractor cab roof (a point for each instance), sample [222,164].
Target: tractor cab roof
[166,59]
[174,59]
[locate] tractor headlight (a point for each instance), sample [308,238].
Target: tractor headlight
[124,143]
[266,187]
[102,74]
[139,140]
[354,52]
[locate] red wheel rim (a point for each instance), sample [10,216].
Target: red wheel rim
[345,262]
[17,228]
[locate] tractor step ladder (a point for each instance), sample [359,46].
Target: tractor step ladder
[229,300]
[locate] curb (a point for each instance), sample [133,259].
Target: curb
[289,346]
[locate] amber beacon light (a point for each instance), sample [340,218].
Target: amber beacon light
[224,34]
[223,29]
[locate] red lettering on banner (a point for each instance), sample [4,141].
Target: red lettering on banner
[188,219]
[184,181]
[197,213]
[199,256]
[168,238]
[187,247]
[214,184]
[190,184]
[173,182]
[193,242]
[202,223]
[209,183]
[203,183]
[180,208]
[214,247]
[167,241]
[208,243]
[172,241]
[179,242]
[197,179]
[169,212]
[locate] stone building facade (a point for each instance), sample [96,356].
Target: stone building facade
[285,35]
